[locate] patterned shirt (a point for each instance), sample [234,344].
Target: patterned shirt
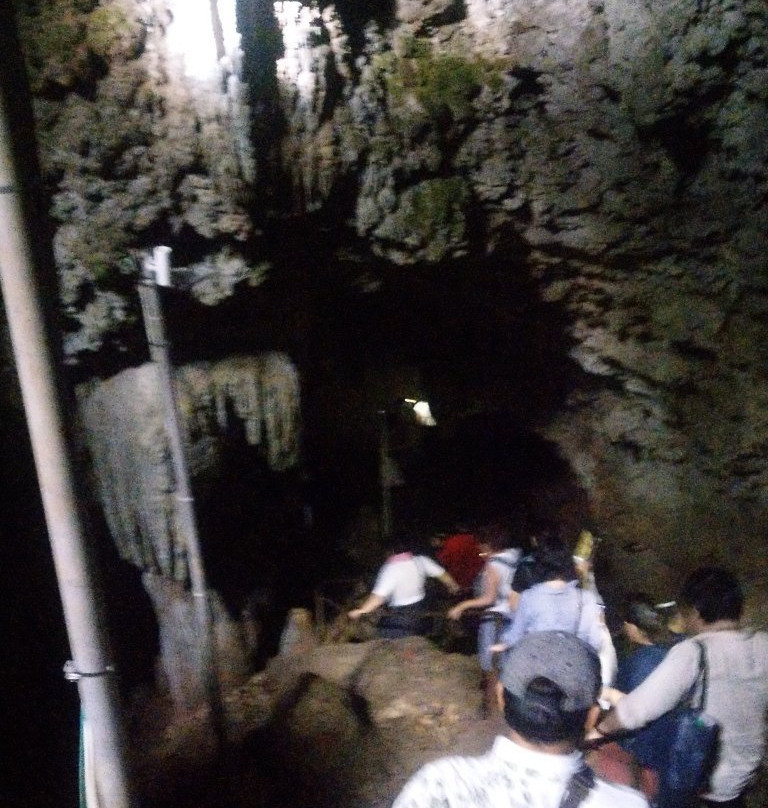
[509,776]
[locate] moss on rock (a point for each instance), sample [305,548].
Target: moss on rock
[53,41]
[430,219]
[113,31]
[436,86]
[437,207]
[440,83]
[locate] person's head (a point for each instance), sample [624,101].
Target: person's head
[643,622]
[714,593]
[554,560]
[550,681]
[403,541]
[494,538]
[541,530]
[437,540]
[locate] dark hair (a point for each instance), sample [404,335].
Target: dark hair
[554,559]
[538,715]
[404,541]
[715,593]
[638,609]
[495,535]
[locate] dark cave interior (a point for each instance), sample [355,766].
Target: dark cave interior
[475,351]
[472,335]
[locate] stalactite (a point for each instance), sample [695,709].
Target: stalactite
[122,426]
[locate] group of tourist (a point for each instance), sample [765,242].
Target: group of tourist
[549,664]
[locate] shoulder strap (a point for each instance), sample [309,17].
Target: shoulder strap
[703,674]
[578,788]
[505,561]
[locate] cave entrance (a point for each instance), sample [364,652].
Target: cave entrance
[486,468]
[472,337]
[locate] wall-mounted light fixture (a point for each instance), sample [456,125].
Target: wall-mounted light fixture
[422,411]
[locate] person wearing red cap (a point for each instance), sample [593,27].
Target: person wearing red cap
[459,553]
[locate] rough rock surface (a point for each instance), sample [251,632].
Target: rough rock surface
[338,719]
[621,148]
[351,723]
[255,399]
[612,151]
[122,421]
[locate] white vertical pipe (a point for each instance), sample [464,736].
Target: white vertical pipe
[161,258]
[154,324]
[37,373]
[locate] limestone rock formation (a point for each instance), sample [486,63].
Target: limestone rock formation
[613,152]
[143,131]
[122,421]
[621,148]
[122,424]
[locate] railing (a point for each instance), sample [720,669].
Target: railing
[334,598]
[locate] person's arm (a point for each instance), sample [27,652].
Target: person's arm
[446,579]
[612,695]
[610,723]
[523,617]
[595,621]
[380,594]
[431,568]
[661,692]
[487,598]
[370,604]
[519,626]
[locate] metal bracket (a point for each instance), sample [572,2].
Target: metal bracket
[72,674]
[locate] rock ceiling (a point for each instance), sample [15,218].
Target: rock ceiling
[609,155]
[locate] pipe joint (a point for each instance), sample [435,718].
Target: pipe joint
[72,674]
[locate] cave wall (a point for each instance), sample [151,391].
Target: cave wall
[143,137]
[250,400]
[613,152]
[620,148]
[223,406]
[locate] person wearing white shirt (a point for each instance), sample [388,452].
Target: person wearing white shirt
[711,603]
[401,586]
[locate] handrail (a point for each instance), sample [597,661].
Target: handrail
[325,605]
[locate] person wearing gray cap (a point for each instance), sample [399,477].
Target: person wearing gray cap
[548,688]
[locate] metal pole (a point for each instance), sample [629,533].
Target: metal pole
[91,666]
[158,346]
[384,474]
